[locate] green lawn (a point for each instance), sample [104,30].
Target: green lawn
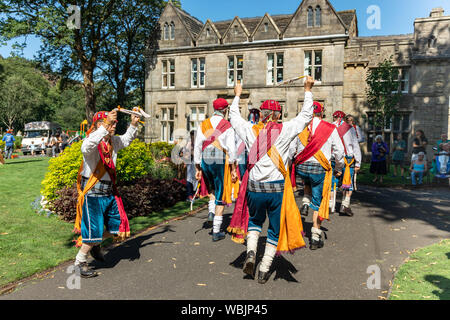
[365,177]
[425,275]
[30,243]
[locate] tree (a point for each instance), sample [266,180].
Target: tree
[383,92]
[103,24]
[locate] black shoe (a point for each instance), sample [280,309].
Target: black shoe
[218,236]
[316,244]
[96,253]
[304,210]
[347,211]
[263,277]
[86,271]
[249,265]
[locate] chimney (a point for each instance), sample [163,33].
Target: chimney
[437,12]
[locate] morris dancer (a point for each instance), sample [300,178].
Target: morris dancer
[99,203]
[266,187]
[349,138]
[214,157]
[314,148]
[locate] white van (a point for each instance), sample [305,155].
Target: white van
[35,131]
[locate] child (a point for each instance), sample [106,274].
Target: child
[418,168]
[33,147]
[43,146]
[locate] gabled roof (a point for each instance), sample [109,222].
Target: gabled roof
[329,4]
[347,16]
[240,23]
[193,25]
[261,21]
[209,22]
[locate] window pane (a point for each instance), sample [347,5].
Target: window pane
[307,59]
[279,75]
[172,66]
[164,65]
[397,121]
[280,60]
[318,58]
[202,64]
[270,76]
[194,114]
[266,27]
[318,74]
[270,61]
[194,65]
[172,31]
[202,78]
[194,79]
[172,80]
[230,62]
[164,112]
[172,114]
[240,62]
[240,75]
[171,125]
[310,17]
[163,131]
[318,16]
[231,78]
[405,122]
[165,80]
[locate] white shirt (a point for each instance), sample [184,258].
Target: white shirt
[333,146]
[351,144]
[226,141]
[91,155]
[264,170]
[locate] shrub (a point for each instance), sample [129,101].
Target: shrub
[134,161]
[161,150]
[140,198]
[2,144]
[17,143]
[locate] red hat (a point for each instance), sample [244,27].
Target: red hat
[339,114]
[220,104]
[99,116]
[9,131]
[271,105]
[318,107]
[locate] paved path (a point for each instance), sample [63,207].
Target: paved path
[179,260]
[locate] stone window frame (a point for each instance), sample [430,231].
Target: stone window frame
[198,72]
[313,64]
[167,122]
[310,17]
[166,32]
[235,69]
[390,130]
[275,67]
[318,16]
[197,121]
[170,75]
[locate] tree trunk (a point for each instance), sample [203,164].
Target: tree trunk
[89,89]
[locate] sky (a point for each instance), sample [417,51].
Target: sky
[396,16]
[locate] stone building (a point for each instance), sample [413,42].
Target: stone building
[198,62]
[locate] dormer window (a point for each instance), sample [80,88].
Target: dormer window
[310,17]
[172,31]
[208,32]
[166,31]
[318,16]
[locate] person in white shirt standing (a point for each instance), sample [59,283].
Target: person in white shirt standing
[99,203]
[214,158]
[313,149]
[348,135]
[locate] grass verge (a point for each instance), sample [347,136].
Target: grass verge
[425,275]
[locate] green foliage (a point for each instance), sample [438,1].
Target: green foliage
[18,142]
[62,171]
[383,92]
[2,145]
[134,161]
[161,149]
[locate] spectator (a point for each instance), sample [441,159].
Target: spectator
[418,168]
[9,143]
[65,141]
[33,148]
[419,145]
[188,157]
[440,143]
[359,133]
[43,146]
[378,164]
[54,145]
[398,155]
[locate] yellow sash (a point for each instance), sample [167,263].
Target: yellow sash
[347,180]
[208,130]
[291,227]
[324,205]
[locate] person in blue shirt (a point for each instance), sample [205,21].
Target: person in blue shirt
[418,168]
[9,139]
[378,164]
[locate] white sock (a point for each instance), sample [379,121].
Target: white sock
[346,202]
[269,254]
[306,200]
[81,257]
[315,233]
[252,241]
[217,223]
[212,206]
